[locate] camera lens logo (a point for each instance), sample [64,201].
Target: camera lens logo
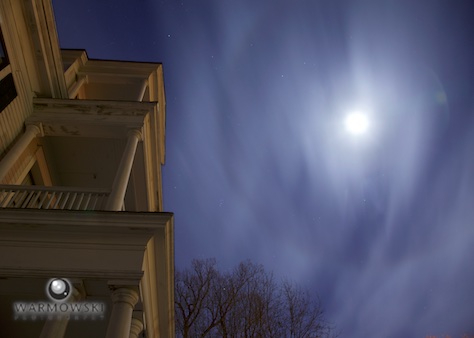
[58,289]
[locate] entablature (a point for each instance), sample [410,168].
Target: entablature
[90,118]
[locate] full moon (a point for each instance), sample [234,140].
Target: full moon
[356,123]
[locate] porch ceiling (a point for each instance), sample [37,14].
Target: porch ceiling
[83,161]
[88,162]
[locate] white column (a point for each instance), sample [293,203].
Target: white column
[120,321]
[12,156]
[115,200]
[136,328]
[56,328]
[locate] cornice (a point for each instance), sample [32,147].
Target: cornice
[150,221]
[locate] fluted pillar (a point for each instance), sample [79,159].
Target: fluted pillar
[135,328]
[12,156]
[119,188]
[120,321]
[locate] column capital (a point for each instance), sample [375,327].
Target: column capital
[136,133]
[125,295]
[124,299]
[35,128]
[136,327]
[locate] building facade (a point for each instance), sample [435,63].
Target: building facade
[82,143]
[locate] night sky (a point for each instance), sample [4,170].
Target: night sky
[259,165]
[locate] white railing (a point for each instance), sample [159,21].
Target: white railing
[62,198]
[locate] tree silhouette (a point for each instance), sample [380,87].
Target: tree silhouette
[245,302]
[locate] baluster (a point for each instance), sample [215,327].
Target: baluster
[45,195]
[65,199]
[95,201]
[57,201]
[27,199]
[51,199]
[35,198]
[71,202]
[14,197]
[3,197]
[86,204]
[78,206]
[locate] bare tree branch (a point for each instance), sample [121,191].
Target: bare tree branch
[246,302]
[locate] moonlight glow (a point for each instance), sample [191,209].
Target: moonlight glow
[356,123]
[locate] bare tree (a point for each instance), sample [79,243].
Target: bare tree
[193,291]
[245,302]
[304,313]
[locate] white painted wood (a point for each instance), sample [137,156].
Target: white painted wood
[14,154]
[136,328]
[94,245]
[40,197]
[124,300]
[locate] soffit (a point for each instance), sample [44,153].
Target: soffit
[83,161]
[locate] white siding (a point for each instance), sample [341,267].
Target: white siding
[12,118]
